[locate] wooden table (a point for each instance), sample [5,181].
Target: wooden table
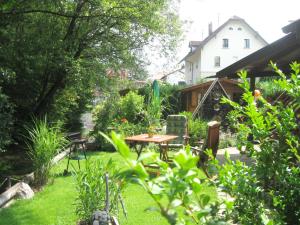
[143,139]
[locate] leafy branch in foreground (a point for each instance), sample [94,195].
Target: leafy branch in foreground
[178,192]
[268,192]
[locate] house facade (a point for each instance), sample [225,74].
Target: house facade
[229,43]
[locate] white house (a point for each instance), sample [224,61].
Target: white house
[232,41]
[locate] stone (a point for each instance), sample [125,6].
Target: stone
[100,218]
[24,191]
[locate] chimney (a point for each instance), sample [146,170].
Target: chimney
[210,28]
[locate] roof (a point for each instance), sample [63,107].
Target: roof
[207,84]
[283,51]
[209,90]
[214,33]
[172,72]
[194,43]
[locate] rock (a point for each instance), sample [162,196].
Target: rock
[28,178]
[100,218]
[24,191]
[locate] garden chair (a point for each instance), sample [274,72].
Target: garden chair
[211,142]
[177,125]
[77,149]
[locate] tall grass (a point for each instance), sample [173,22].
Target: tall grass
[44,143]
[91,188]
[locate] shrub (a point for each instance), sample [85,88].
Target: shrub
[6,118]
[91,188]
[131,107]
[170,96]
[275,173]
[126,115]
[227,140]
[197,128]
[44,143]
[270,89]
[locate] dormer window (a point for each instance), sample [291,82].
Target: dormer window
[246,43]
[225,43]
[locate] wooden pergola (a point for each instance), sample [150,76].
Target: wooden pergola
[282,52]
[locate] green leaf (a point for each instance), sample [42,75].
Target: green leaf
[141,171]
[122,147]
[203,213]
[155,189]
[180,158]
[147,155]
[204,200]
[176,202]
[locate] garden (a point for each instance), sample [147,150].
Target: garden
[61,59]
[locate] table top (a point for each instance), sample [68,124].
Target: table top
[157,138]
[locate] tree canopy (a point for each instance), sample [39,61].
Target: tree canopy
[53,51]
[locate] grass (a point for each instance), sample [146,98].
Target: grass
[55,203]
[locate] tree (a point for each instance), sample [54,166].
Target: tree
[55,51]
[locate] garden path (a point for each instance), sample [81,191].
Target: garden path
[234,155]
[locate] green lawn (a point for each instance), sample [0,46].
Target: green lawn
[55,203]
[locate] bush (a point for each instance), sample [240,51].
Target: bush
[275,173]
[170,96]
[126,116]
[197,128]
[6,118]
[131,107]
[270,89]
[91,189]
[45,143]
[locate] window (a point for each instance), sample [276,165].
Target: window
[239,28]
[225,43]
[217,61]
[191,67]
[230,28]
[247,43]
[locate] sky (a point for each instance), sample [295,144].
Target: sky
[267,17]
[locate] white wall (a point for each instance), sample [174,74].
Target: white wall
[191,71]
[214,47]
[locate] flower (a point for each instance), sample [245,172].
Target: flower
[124,120]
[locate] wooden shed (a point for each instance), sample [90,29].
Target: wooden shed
[205,97]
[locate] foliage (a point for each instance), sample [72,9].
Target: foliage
[44,143]
[178,191]
[91,188]
[227,140]
[6,117]
[274,178]
[131,107]
[53,53]
[153,110]
[170,98]
[197,128]
[126,115]
[270,89]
